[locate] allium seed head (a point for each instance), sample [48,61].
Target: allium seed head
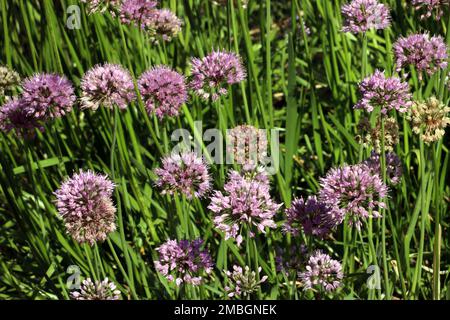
[184,261]
[322,273]
[101,6]
[353,191]
[363,15]
[164,24]
[247,145]
[8,79]
[163,91]
[425,53]
[372,137]
[213,73]
[98,290]
[107,85]
[242,281]
[311,215]
[378,91]
[186,173]
[47,96]
[245,201]
[429,119]
[84,202]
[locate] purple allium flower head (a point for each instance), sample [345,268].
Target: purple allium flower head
[245,201]
[47,96]
[186,173]
[163,91]
[98,290]
[242,281]
[107,85]
[321,273]
[353,190]
[429,6]
[84,202]
[101,6]
[425,53]
[247,145]
[311,215]
[213,73]
[137,12]
[363,15]
[183,261]
[378,91]
[393,166]
[164,24]
[14,116]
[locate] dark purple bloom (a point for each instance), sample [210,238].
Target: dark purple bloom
[311,215]
[363,15]
[183,261]
[14,116]
[322,273]
[213,73]
[393,166]
[84,202]
[107,85]
[163,91]
[378,91]
[355,191]
[425,53]
[186,173]
[245,201]
[47,96]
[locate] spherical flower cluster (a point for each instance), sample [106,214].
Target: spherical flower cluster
[424,53]
[14,116]
[372,137]
[247,145]
[101,6]
[363,15]
[98,290]
[183,261]
[242,281]
[84,202]
[108,85]
[47,96]
[245,201]
[311,215]
[213,73]
[353,191]
[378,91]
[394,169]
[430,6]
[137,12]
[164,24]
[429,119]
[163,91]
[186,173]
[322,273]
[8,79]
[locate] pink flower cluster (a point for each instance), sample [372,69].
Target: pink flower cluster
[363,15]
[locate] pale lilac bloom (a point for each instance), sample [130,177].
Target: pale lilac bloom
[186,173]
[242,281]
[14,116]
[386,93]
[245,201]
[85,204]
[163,91]
[310,215]
[353,191]
[393,166]
[184,261]
[107,85]
[213,73]
[164,24]
[137,12]
[430,6]
[322,273]
[363,15]
[425,53]
[98,290]
[47,96]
